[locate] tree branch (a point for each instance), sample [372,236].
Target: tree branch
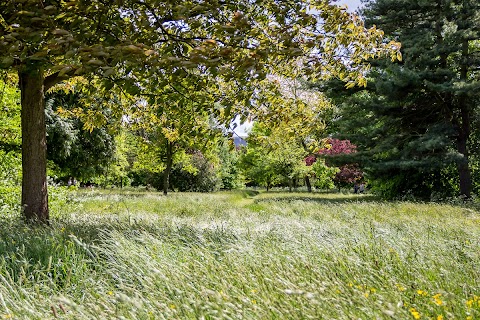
[53,79]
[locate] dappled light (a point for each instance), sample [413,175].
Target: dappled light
[131,188]
[241,254]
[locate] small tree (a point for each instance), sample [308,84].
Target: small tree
[336,154]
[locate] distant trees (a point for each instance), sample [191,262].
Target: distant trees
[287,129]
[10,131]
[120,42]
[10,146]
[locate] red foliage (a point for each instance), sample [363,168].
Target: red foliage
[335,147]
[338,147]
[310,160]
[348,173]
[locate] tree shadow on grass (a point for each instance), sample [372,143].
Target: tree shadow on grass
[319,198]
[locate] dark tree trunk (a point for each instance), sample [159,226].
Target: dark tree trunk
[465,177]
[463,165]
[168,169]
[307,182]
[34,146]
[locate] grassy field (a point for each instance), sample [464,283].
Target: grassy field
[242,255]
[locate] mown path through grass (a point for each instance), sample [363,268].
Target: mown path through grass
[243,255]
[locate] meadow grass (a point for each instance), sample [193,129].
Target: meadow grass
[243,254]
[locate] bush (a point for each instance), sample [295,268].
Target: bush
[10,182]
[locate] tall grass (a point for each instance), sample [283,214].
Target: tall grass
[242,255]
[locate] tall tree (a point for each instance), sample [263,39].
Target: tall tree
[50,41]
[414,119]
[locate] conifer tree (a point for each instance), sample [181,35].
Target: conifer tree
[413,121]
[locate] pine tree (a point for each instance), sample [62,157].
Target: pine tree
[414,119]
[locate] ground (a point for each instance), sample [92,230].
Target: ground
[242,254]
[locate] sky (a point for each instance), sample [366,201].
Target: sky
[352,5]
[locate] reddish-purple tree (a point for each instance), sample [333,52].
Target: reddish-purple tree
[348,173]
[311,159]
[337,147]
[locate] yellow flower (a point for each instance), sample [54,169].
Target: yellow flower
[110,293]
[400,287]
[473,302]
[366,294]
[437,300]
[439,317]
[7,316]
[422,293]
[415,313]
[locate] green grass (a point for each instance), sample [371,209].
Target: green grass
[232,255]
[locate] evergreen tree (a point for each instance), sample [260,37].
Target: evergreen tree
[413,121]
[77,152]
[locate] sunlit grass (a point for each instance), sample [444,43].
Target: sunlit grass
[139,255]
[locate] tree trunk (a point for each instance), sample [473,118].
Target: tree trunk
[168,169]
[34,146]
[465,178]
[463,165]
[307,182]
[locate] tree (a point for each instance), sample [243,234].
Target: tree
[77,152]
[196,173]
[257,167]
[272,156]
[338,153]
[46,42]
[179,121]
[229,158]
[414,120]
[10,140]
[450,79]
[10,135]
[290,123]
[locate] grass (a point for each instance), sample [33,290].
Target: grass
[232,255]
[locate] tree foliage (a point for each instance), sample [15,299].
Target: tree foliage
[121,41]
[413,123]
[10,134]
[76,151]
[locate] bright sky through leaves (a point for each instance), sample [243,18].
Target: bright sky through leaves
[351,4]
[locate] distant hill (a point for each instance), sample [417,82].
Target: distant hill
[239,141]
